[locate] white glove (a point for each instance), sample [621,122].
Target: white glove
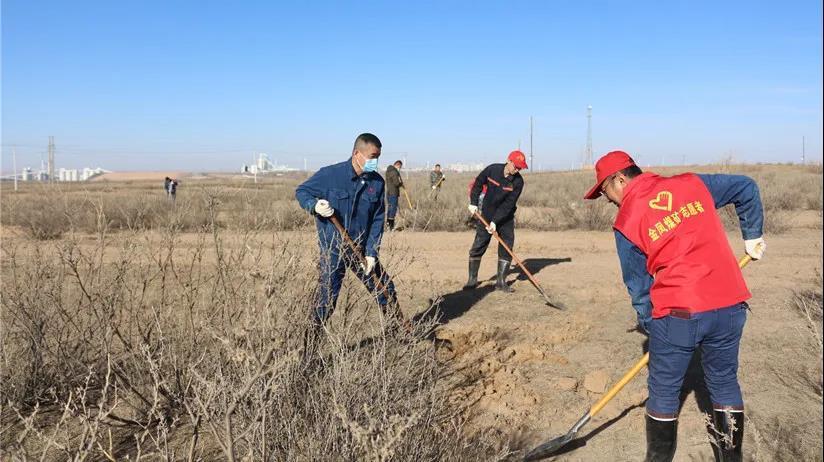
[370,265]
[755,247]
[472,209]
[491,228]
[434,187]
[323,208]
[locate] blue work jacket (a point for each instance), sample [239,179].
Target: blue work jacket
[725,189]
[357,200]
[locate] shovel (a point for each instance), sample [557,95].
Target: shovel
[554,304]
[546,449]
[436,186]
[406,194]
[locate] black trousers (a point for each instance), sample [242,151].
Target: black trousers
[507,232]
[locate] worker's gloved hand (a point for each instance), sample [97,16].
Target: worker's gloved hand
[370,265]
[491,228]
[755,247]
[434,187]
[323,208]
[473,209]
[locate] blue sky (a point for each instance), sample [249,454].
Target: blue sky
[201,85]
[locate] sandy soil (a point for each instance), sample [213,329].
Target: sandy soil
[527,364]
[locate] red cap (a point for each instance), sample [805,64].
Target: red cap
[611,162]
[518,159]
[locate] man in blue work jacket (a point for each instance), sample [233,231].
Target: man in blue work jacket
[352,191]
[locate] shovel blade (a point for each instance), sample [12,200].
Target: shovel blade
[557,305]
[548,448]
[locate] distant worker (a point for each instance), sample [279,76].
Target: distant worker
[504,185]
[394,183]
[686,287]
[173,188]
[166,185]
[352,191]
[436,179]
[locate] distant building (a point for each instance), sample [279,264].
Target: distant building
[64,174]
[461,168]
[263,165]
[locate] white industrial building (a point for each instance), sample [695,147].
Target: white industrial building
[262,165]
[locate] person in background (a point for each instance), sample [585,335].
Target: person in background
[436,179]
[394,183]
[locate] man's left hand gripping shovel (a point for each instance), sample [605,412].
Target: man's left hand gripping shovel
[548,448]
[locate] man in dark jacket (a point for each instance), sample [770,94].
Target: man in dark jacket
[353,192]
[394,183]
[436,180]
[503,184]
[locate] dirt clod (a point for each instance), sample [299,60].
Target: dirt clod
[596,381]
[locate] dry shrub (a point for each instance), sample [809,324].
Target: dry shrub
[43,218]
[809,306]
[591,216]
[141,346]
[798,437]
[778,222]
[550,202]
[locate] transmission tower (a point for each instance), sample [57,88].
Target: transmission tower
[51,159]
[588,153]
[803,150]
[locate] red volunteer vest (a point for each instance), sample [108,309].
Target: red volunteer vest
[674,223]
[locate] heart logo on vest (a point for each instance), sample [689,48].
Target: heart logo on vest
[663,201]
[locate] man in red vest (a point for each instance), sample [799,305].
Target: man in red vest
[686,287]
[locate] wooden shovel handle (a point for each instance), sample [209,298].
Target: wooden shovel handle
[509,251]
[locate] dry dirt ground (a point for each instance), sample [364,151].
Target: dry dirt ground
[528,364]
[530,370]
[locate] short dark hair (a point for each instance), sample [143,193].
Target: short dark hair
[632,171]
[365,139]
[437,165]
[398,162]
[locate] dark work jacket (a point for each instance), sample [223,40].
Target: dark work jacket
[393,181]
[501,193]
[357,200]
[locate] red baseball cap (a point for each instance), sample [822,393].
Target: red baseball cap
[610,163]
[518,159]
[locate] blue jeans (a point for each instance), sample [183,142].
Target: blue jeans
[672,341]
[391,207]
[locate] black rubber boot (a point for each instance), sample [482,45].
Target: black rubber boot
[390,224]
[661,440]
[474,266]
[728,436]
[500,283]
